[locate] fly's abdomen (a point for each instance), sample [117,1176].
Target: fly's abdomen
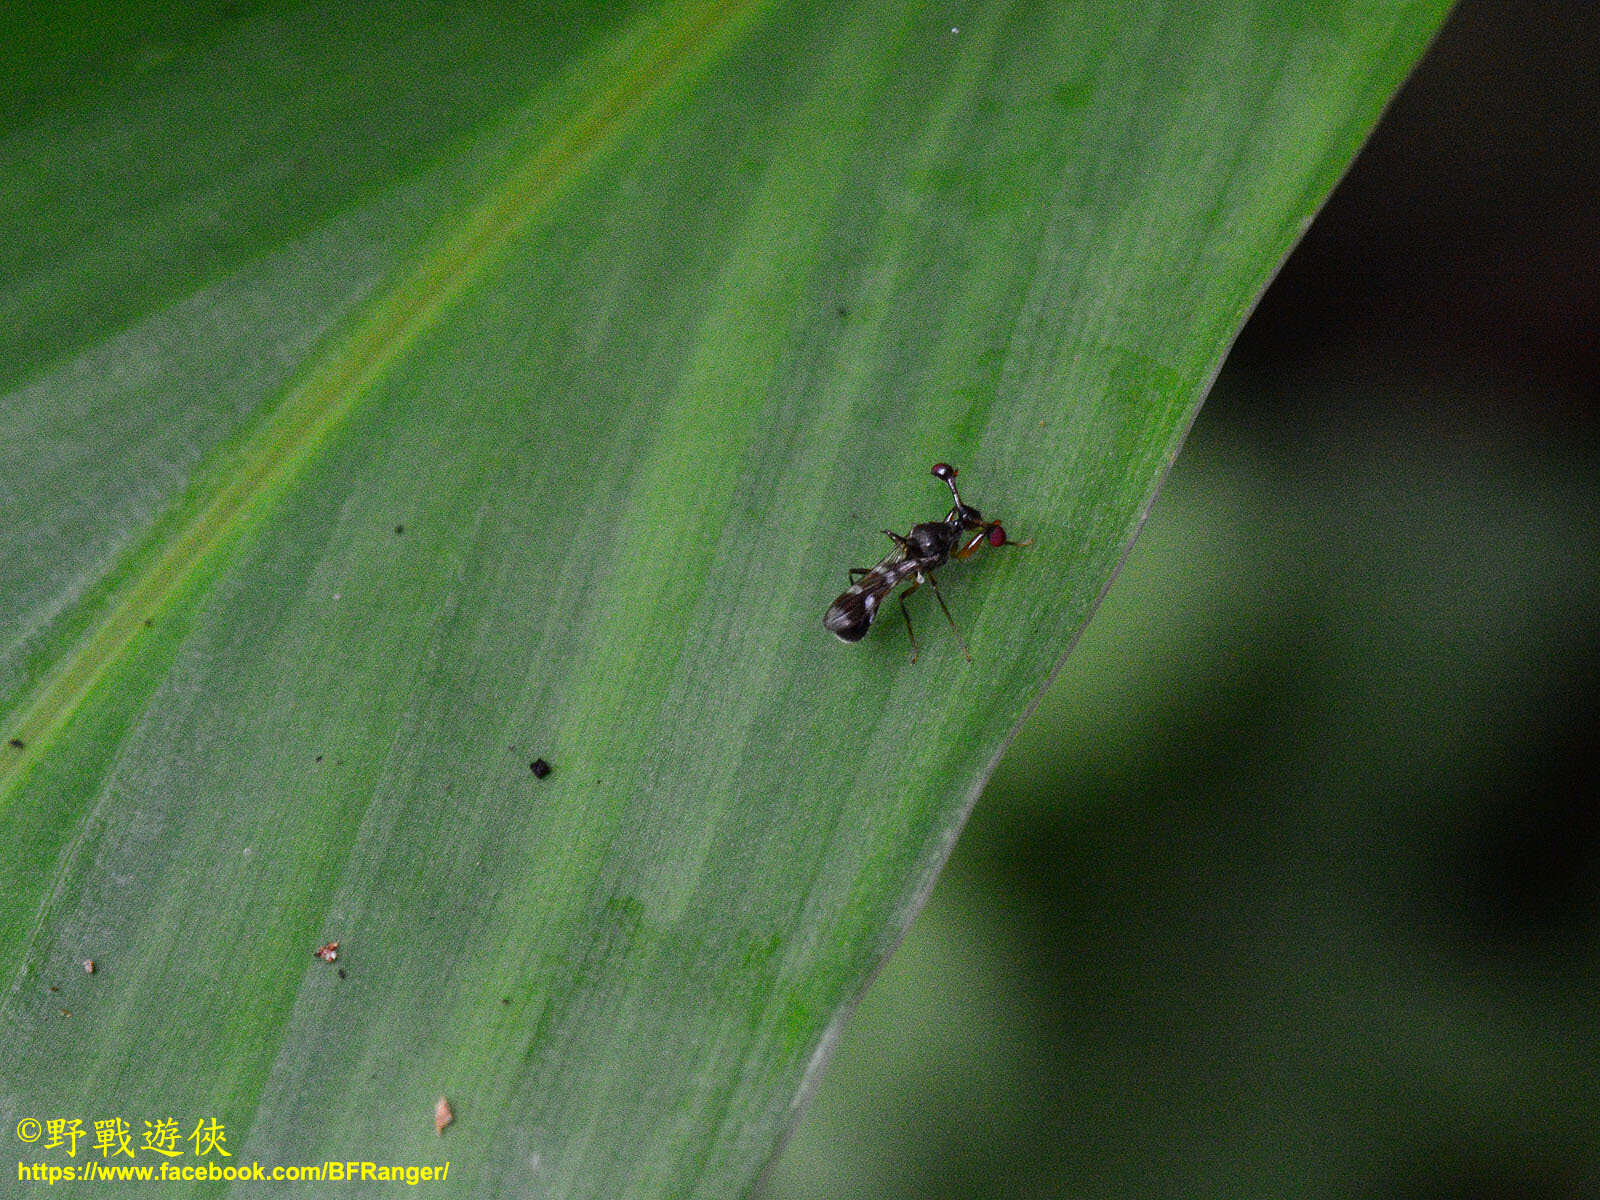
[851,615]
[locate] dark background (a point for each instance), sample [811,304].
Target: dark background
[1460,256]
[1292,885]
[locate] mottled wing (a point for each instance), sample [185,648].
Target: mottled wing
[851,615]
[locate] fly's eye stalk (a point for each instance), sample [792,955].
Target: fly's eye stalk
[996,535]
[947,473]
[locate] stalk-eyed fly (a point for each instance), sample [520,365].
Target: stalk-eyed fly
[914,557]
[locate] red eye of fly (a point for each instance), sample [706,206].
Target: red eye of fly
[997,536]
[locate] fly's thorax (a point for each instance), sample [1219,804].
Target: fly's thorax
[931,542]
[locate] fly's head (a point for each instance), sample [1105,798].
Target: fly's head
[964,518]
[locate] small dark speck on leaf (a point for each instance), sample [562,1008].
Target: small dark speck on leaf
[54,988]
[399,529]
[17,744]
[319,758]
[505,999]
[64,1012]
[342,975]
[148,622]
[539,767]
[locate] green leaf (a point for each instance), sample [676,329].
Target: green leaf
[392,398]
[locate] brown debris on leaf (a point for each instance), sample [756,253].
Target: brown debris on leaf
[443,1114]
[327,952]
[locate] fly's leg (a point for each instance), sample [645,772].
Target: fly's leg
[856,573]
[934,583]
[907,615]
[970,546]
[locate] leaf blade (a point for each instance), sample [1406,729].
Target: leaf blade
[672,371]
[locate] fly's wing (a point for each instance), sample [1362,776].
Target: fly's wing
[851,615]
